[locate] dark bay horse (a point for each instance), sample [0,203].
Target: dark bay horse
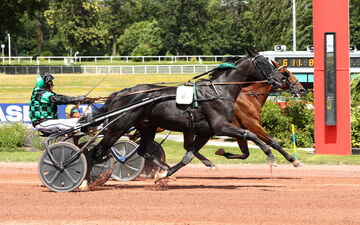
[248,114]
[212,116]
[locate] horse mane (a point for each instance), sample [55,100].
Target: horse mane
[232,59]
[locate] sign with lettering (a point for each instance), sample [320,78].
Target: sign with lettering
[17,112]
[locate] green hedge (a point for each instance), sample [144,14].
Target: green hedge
[12,136]
[355,110]
[277,121]
[355,128]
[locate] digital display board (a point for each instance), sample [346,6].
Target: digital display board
[296,61]
[308,62]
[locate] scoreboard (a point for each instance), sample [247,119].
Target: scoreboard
[301,63]
[295,62]
[305,59]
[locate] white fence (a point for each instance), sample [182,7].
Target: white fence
[135,69]
[18,59]
[171,59]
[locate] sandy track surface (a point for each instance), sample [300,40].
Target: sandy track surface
[232,194]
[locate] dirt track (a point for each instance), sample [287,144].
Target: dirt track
[233,194]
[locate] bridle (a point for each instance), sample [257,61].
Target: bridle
[268,72]
[287,82]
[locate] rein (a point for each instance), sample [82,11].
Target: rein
[202,83]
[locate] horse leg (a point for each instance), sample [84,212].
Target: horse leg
[264,136]
[103,147]
[147,137]
[275,145]
[242,142]
[188,140]
[222,128]
[112,134]
[197,144]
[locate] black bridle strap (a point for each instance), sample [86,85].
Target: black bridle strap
[291,85]
[256,96]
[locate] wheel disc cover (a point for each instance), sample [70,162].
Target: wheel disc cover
[67,179]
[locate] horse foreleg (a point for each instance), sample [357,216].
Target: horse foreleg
[188,140]
[242,142]
[275,145]
[264,136]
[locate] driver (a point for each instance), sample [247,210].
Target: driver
[43,106]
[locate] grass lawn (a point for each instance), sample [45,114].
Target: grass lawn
[174,153]
[18,88]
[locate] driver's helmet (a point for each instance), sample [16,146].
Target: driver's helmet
[43,80]
[70,111]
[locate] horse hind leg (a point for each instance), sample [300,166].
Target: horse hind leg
[189,155]
[227,129]
[188,140]
[198,143]
[145,150]
[242,142]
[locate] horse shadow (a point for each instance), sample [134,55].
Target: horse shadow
[171,184]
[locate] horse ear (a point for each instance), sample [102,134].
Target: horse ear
[276,64]
[252,53]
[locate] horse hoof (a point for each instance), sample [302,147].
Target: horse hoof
[271,161]
[220,151]
[297,163]
[84,186]
[213,168]
[159,176]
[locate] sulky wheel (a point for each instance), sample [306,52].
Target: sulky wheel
[150,168]
[102,168]
[67,177]
[125,170]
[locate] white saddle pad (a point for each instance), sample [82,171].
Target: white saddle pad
[184,95]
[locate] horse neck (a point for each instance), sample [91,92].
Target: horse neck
[261,91]
[245,72]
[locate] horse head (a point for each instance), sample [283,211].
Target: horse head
[267,70]
[290,82]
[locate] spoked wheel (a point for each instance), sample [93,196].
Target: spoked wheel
[130,168]
[102,168]
[63,179]
[150,168]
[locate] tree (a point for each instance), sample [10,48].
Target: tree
[271,23]
[304,24]
[116,15]
[355,23]
[141,38]
[227,31]
[16,17]
[182,23]
[77,25]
